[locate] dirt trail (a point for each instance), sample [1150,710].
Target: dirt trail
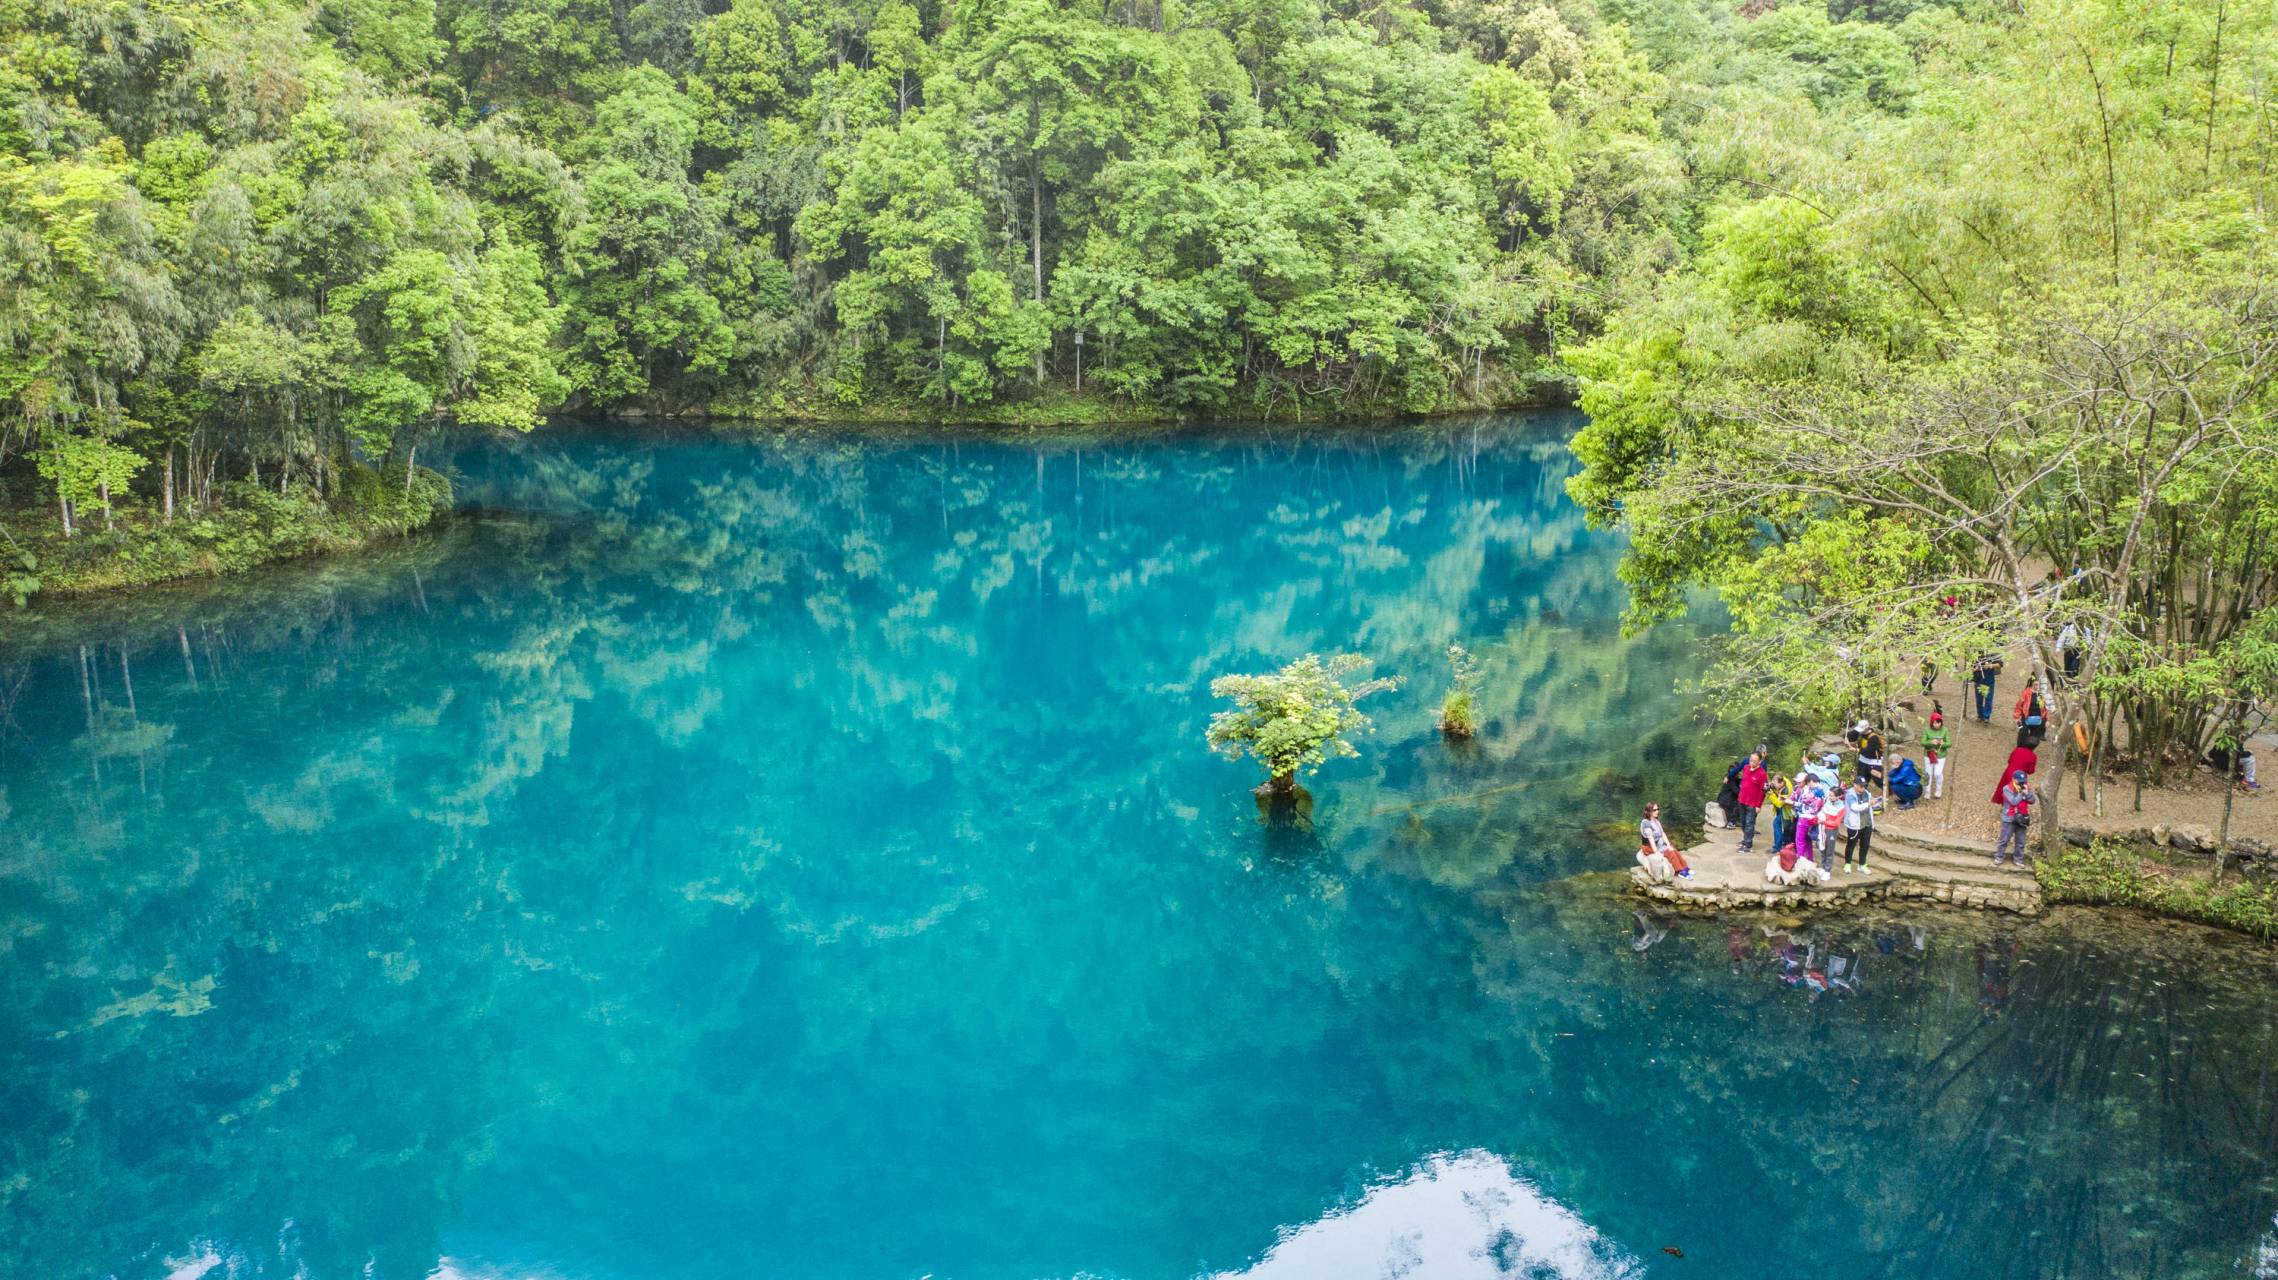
[1980,750]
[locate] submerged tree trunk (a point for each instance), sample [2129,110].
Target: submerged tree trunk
[1281,802]
[87,700]
[134,721]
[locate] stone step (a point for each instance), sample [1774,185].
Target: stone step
[1945,859]
[1988,876]
[1930,840]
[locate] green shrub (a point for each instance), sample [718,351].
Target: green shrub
[1459,718]
[1295,718]
[2108,874]
[1459,714]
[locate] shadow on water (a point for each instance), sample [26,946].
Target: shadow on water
[718,856]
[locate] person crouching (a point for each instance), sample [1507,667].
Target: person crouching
[1790,866]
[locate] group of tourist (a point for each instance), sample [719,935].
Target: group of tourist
[1811,810]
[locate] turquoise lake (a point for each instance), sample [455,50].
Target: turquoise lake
[711,857]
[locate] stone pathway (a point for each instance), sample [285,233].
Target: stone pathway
[1955,871]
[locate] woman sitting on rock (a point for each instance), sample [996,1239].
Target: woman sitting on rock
[1655,853]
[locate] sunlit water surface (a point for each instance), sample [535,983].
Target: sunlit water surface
[712,859]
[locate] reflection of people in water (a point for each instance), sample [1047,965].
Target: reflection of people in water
[1795,961]
[1649,931]
[1845,972]
[1738,944]
[1996,960]
[1906,947]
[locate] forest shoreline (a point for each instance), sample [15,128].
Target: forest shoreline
[1057,411]
[141,548]
[262,528]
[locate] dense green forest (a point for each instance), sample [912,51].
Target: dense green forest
[255,246]
[1992,369]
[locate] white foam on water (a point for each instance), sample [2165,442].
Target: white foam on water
[194,1267]
[462,1269]
[1465,1216]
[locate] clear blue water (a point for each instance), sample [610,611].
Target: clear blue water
[710,858]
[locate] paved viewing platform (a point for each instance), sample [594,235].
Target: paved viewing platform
[1905,868]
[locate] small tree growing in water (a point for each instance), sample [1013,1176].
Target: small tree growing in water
[1459,714]
[1294,719]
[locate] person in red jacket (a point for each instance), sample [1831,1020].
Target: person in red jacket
[1754,777]
[2021,758]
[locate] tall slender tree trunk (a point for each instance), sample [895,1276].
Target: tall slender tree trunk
[2230,793]
[2052,796]
[1036,242]
[2214,93]
[64,505]
[2103,734]
[166,494]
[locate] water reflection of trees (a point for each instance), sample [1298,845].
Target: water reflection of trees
[837,701]
[2087,1097]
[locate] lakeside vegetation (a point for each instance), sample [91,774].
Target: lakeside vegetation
[2108,874]
[1985,370]
[249,526]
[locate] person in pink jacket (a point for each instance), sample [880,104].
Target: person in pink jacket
[1810,799]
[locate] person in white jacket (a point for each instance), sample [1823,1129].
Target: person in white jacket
[1859,807]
